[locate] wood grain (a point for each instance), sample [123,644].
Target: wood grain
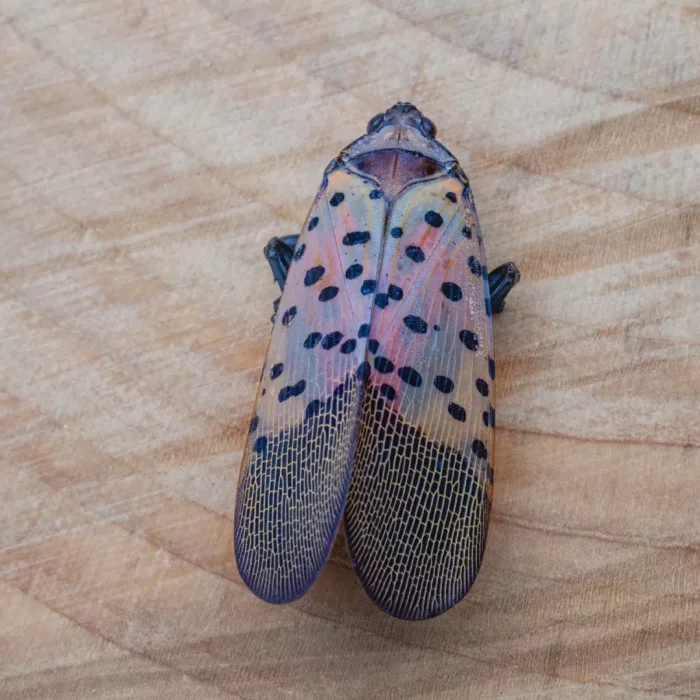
[148,151]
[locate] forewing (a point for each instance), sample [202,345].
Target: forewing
[298,459]
[420,494]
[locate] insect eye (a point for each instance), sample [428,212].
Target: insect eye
[428,128]
[375,123]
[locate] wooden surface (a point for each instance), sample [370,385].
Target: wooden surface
[149,149]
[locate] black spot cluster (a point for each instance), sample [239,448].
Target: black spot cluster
[289,315]
[291,390]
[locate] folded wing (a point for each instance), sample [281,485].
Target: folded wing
[298,457]
[419,501]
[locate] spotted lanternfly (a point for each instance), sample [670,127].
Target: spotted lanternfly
[376,398]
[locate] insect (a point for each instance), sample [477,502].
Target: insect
[376,398]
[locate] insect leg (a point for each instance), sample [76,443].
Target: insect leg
[291,241]
[501,281]
[278,253]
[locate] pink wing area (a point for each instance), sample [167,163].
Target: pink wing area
[297,463]
[420,494]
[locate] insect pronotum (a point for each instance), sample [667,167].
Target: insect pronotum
[376,399]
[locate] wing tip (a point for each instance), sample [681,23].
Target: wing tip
[269,591]
[420,609]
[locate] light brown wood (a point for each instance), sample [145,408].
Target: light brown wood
[149,150]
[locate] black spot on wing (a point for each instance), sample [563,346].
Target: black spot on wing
[299,251]
[492,368]
[482,387]
[451,196]
[348,346]
[291,390]
[368,287]
[466,231]
[328,293]
[415,253]
[375,194]
[415,324]
[443,384]
[254,424]
[490,417]
[383,365]
[313,223]
[312,340]
[330,340]
[457,412]
[373,345]
[363,331]
[355,270]
[313,275]
[381,300]
[356,238]
[396,232]
[470,340]
[474,265]
[260,444]
[411,376]
[336,199]
[289,315]
[395,293]
[479,449]
[276,370]
[451,291]
[432,218]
